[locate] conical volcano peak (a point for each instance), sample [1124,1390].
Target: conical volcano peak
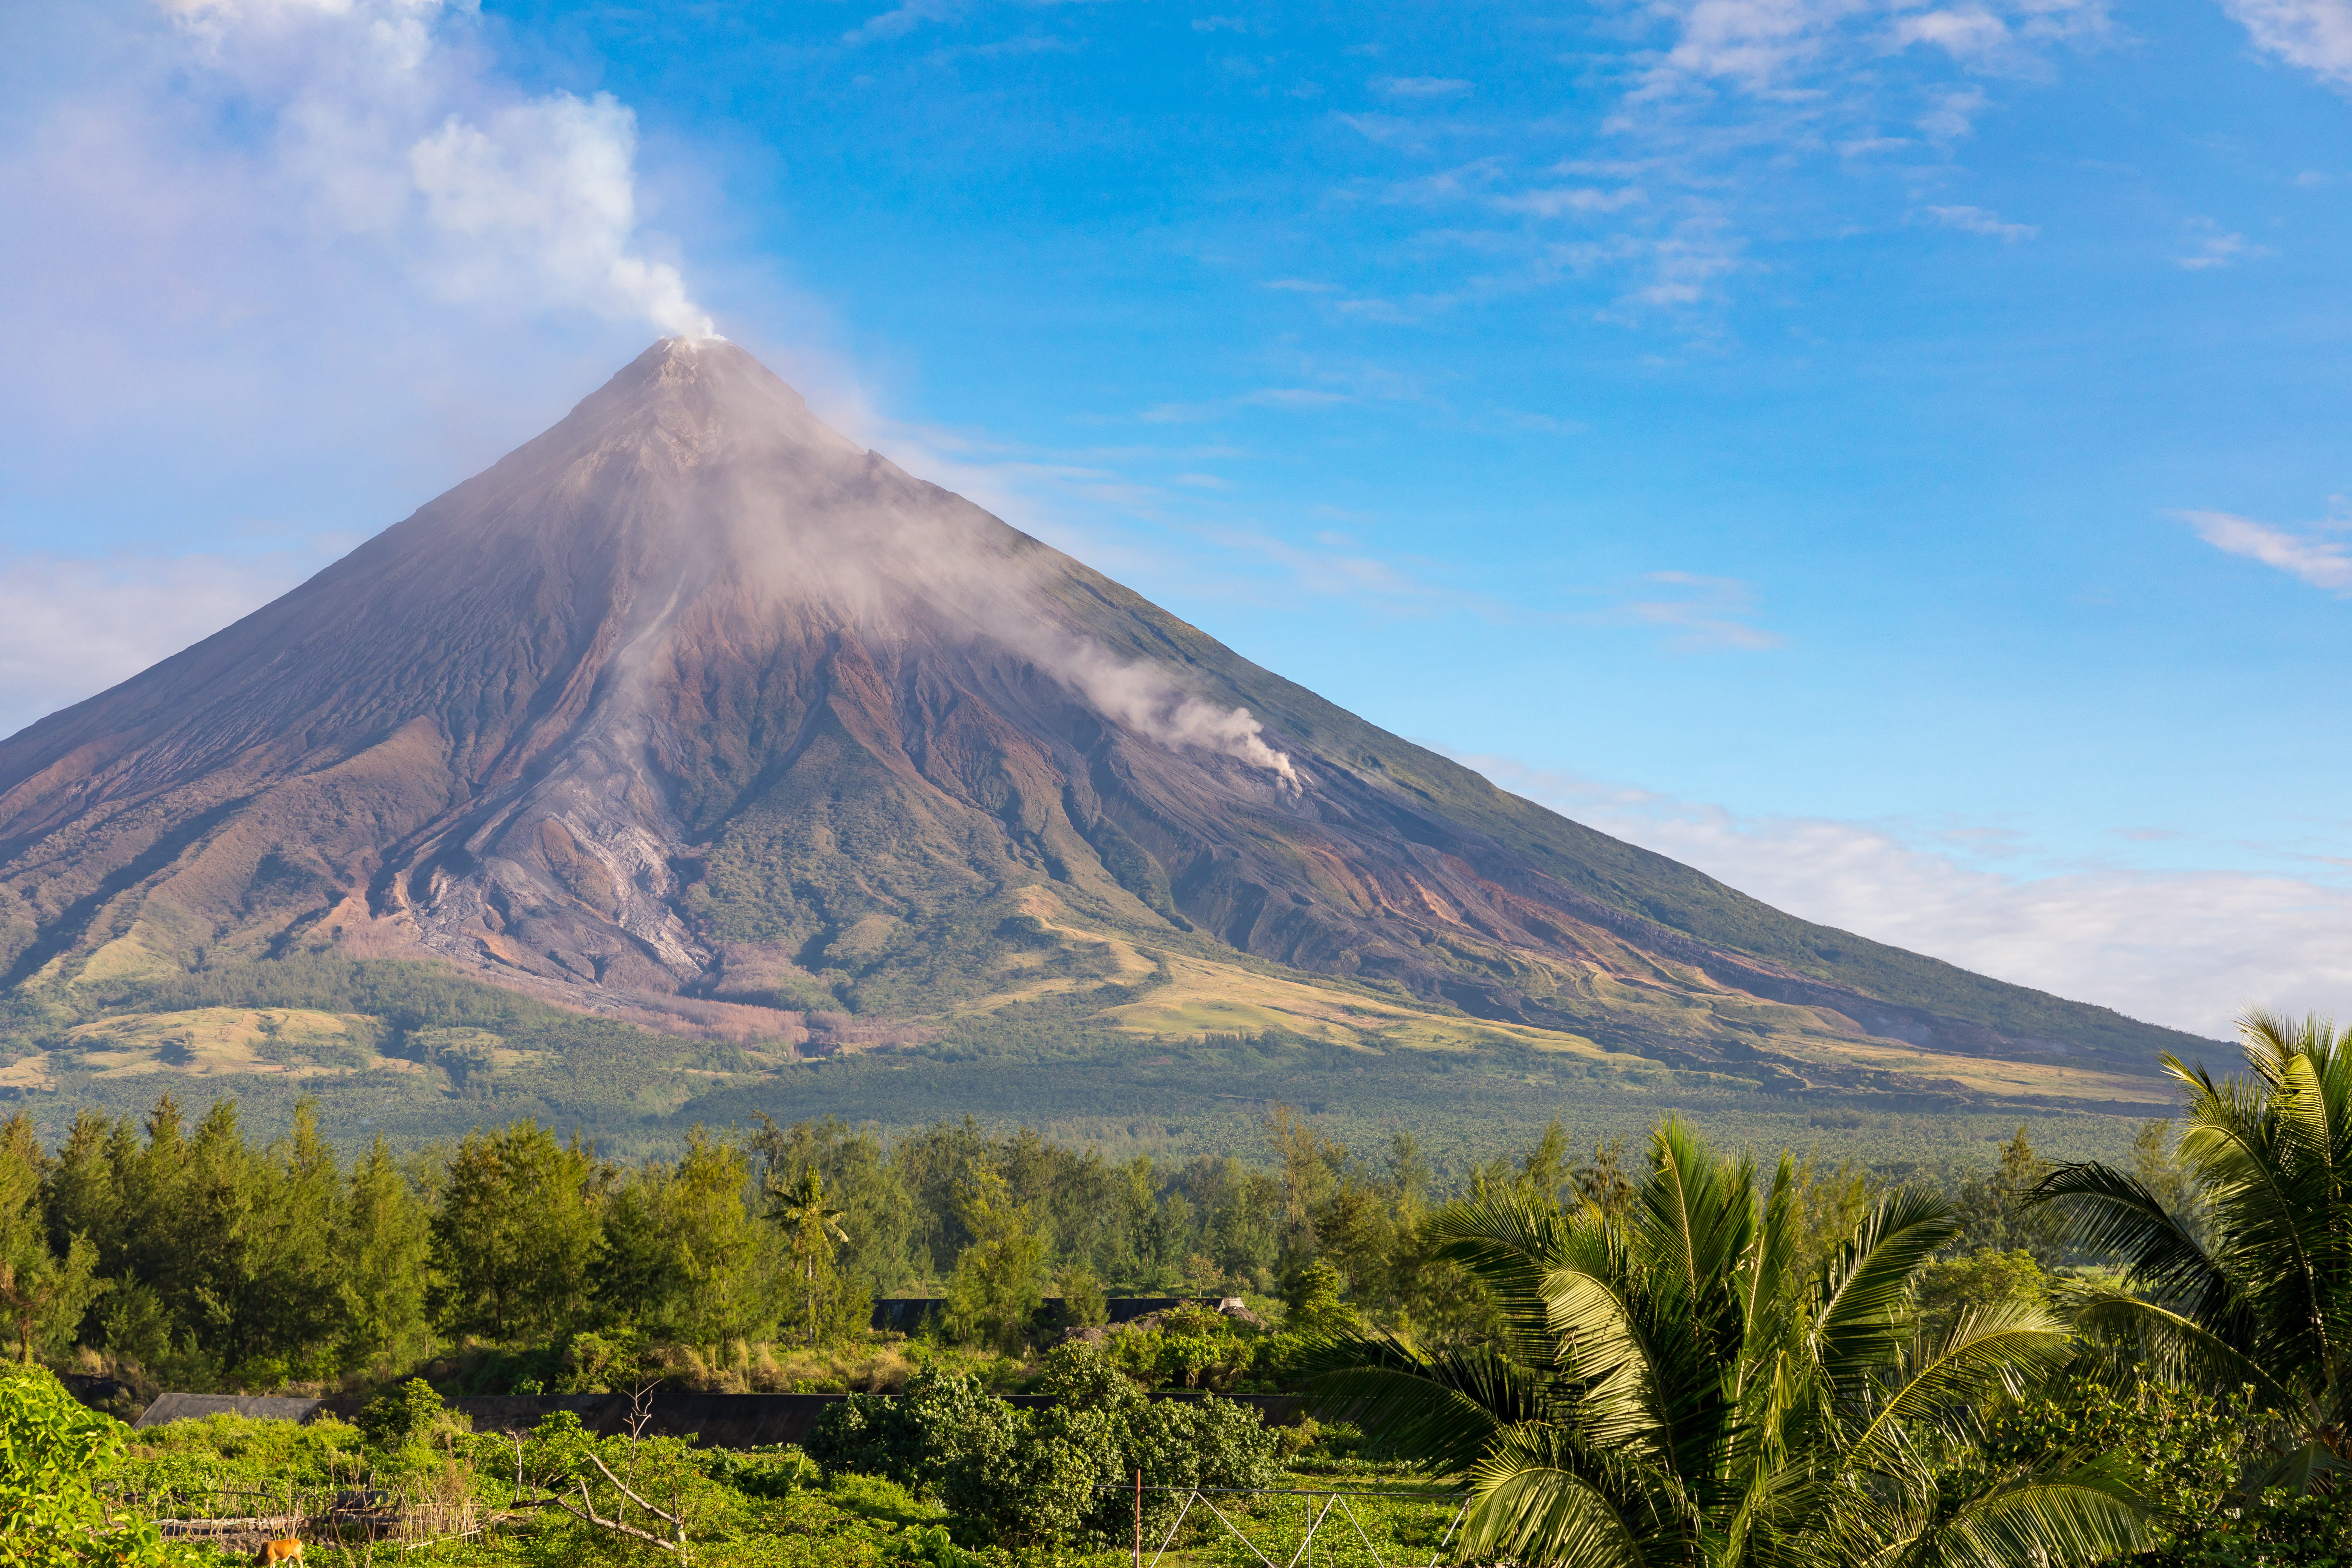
[698,398]
[693,700]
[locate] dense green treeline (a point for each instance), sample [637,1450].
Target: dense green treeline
[208,1257]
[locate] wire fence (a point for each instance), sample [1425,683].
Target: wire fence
[241,1517]
[1298,1527]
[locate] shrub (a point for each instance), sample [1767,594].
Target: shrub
[912,1439]
[1039,1490]
[670,1495]
[52,1450]
[777,1472]
[408,1414]
[1068,1467]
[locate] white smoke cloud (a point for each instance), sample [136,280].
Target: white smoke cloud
[1144,699]
[387,127]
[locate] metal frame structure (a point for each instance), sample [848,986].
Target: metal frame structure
[1332,1500]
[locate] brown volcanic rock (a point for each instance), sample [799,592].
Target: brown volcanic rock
[692,695]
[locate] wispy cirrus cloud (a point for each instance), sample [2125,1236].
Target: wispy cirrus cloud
[1419,87]
[2322,562]
[1702,613]
[2217,247]
[1771,46]
[1707,113]
[2189,949]
[1976,220]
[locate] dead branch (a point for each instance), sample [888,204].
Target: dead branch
[586,1514]
[676,1521]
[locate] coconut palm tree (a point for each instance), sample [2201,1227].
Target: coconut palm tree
[1677,1386]
[2268,1303]
[818,1292]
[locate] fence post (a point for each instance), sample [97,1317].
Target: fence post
[1139,1516]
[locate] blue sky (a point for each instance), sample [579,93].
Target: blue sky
[1889,454]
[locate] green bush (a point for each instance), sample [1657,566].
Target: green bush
[874,1496]
[1193,1347]
[406,1416]
[776,1472]
[1066,1473]
[52,1452]
[2191,1456]
[912,1439]
[558,1461]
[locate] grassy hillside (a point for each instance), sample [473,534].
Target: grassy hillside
[1166,1056]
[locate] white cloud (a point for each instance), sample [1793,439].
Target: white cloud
[902,20]
[2217,248]
[70,630]
[1951,114]
[1419,86]
[325,247]
[2187,948]
[384,121]
[221,171]
[1710,117]
[543,201]
[2315,34]
[1559,200]
[1774,46]
[1976,220]
[1704,612]
[2322,562]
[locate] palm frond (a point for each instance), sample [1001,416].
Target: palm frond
[2277,1200]
[1513,1245]
[1864,1319]
[2085,1516]
[1988,1350]
[2108,1211]
[1540,1497]
[2179,1348]
[1696,1212]
[2295,1468]
[1444,1409]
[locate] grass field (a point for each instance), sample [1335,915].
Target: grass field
[1091,1036]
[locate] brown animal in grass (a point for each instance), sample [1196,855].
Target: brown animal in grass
[287,1551]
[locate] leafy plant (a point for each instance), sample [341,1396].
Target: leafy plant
[994,1290]
[2268,1306]
[408,1414]
[1674,1386]
[52,1451]
[912,1439]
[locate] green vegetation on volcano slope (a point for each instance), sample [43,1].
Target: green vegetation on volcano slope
[452,1054]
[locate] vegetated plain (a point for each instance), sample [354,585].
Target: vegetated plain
[1997,1325]
[1127,1061]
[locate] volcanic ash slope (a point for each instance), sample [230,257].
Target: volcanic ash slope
[691,698]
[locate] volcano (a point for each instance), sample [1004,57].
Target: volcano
[693,700]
